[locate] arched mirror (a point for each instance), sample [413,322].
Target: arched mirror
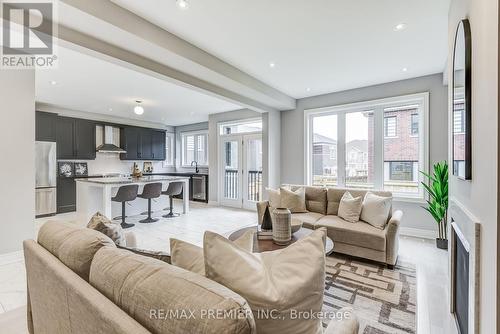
[462,113]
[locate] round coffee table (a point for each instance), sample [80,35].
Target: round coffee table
[260,246]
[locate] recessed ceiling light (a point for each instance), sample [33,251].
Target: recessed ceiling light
[400,26]
[182,4]
[272,65]
[110,109]
[139,110]
[405,69]
[53,83]
[308,89]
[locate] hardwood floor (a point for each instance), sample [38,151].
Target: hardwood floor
[432,265]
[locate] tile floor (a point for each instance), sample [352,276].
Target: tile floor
[432,265]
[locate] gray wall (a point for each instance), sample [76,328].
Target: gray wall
[271,147]
[17,144]
[292,131]
[480,195]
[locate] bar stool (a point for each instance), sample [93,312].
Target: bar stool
[150,191]
[126,194]
[174,188]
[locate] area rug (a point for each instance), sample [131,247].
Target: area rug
[383,300]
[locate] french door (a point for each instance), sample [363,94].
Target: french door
[241,170]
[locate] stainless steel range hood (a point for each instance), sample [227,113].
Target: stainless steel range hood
[110,138]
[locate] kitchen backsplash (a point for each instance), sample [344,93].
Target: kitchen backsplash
[106,163]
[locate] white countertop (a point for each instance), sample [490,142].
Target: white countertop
[131,180]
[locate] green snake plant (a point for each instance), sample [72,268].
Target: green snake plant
[437,188]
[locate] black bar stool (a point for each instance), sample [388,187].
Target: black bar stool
[150,191]
[174,188]
[126,194]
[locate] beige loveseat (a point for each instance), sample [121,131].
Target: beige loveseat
[356,239]
[79,282]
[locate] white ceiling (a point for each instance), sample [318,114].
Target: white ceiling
[90,84]
[323,45]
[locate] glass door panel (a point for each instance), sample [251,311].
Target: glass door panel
[359,153]
[253,179]
[231,165]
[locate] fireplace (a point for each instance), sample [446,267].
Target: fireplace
[461,281]
[464,263]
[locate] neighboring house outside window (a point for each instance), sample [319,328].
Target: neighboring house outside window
[414,125]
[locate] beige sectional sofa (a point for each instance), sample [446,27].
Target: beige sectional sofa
[79,282]
[356,239]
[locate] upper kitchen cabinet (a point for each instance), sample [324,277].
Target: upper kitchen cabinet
[45,126]
[142,144]
[75,138]
[158,144]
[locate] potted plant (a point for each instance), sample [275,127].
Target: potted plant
[438,200]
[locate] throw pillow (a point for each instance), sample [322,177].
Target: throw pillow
[190,257]
[376,210]
[295,201]
[114,231]
[350,207]
[274,198]
[280,283]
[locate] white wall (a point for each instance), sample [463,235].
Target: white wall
[292,133]
[480,195]
[271,150]
[17,147]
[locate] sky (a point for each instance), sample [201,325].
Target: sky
[356,126]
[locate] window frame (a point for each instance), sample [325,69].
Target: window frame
[169,139]
[378,106]
[204,133]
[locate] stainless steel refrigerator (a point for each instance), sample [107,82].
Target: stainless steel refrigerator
[46,178]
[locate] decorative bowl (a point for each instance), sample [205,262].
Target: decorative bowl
[296,225]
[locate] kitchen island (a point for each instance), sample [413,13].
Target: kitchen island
[94,195]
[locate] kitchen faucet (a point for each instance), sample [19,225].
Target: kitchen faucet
[196,164]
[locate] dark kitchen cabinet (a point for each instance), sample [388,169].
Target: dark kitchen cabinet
[66,195]
[130,142]
[158,144]
[65,138]
[142,144]
[146,139]
[45,126]
[75,138]
[85,139]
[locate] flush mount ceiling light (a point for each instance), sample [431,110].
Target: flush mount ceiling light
[182,4]
[139,110]
[400,27]
[53,82]
[405,69]
[272,65]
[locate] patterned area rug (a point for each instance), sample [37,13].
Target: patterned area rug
[383,300]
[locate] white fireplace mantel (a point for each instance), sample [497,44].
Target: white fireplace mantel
[467,228]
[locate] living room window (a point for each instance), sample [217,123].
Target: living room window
[195,148]
[379,145]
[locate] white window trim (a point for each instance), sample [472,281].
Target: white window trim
[221,125]
[193,133]
[170,136]
[341,110]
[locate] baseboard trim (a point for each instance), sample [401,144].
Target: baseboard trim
[12,257]
[417,232]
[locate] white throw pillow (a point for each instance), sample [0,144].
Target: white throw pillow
[276,283]
[295,201]
[274,198]
[350,207]
[376,210]
[190,257]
